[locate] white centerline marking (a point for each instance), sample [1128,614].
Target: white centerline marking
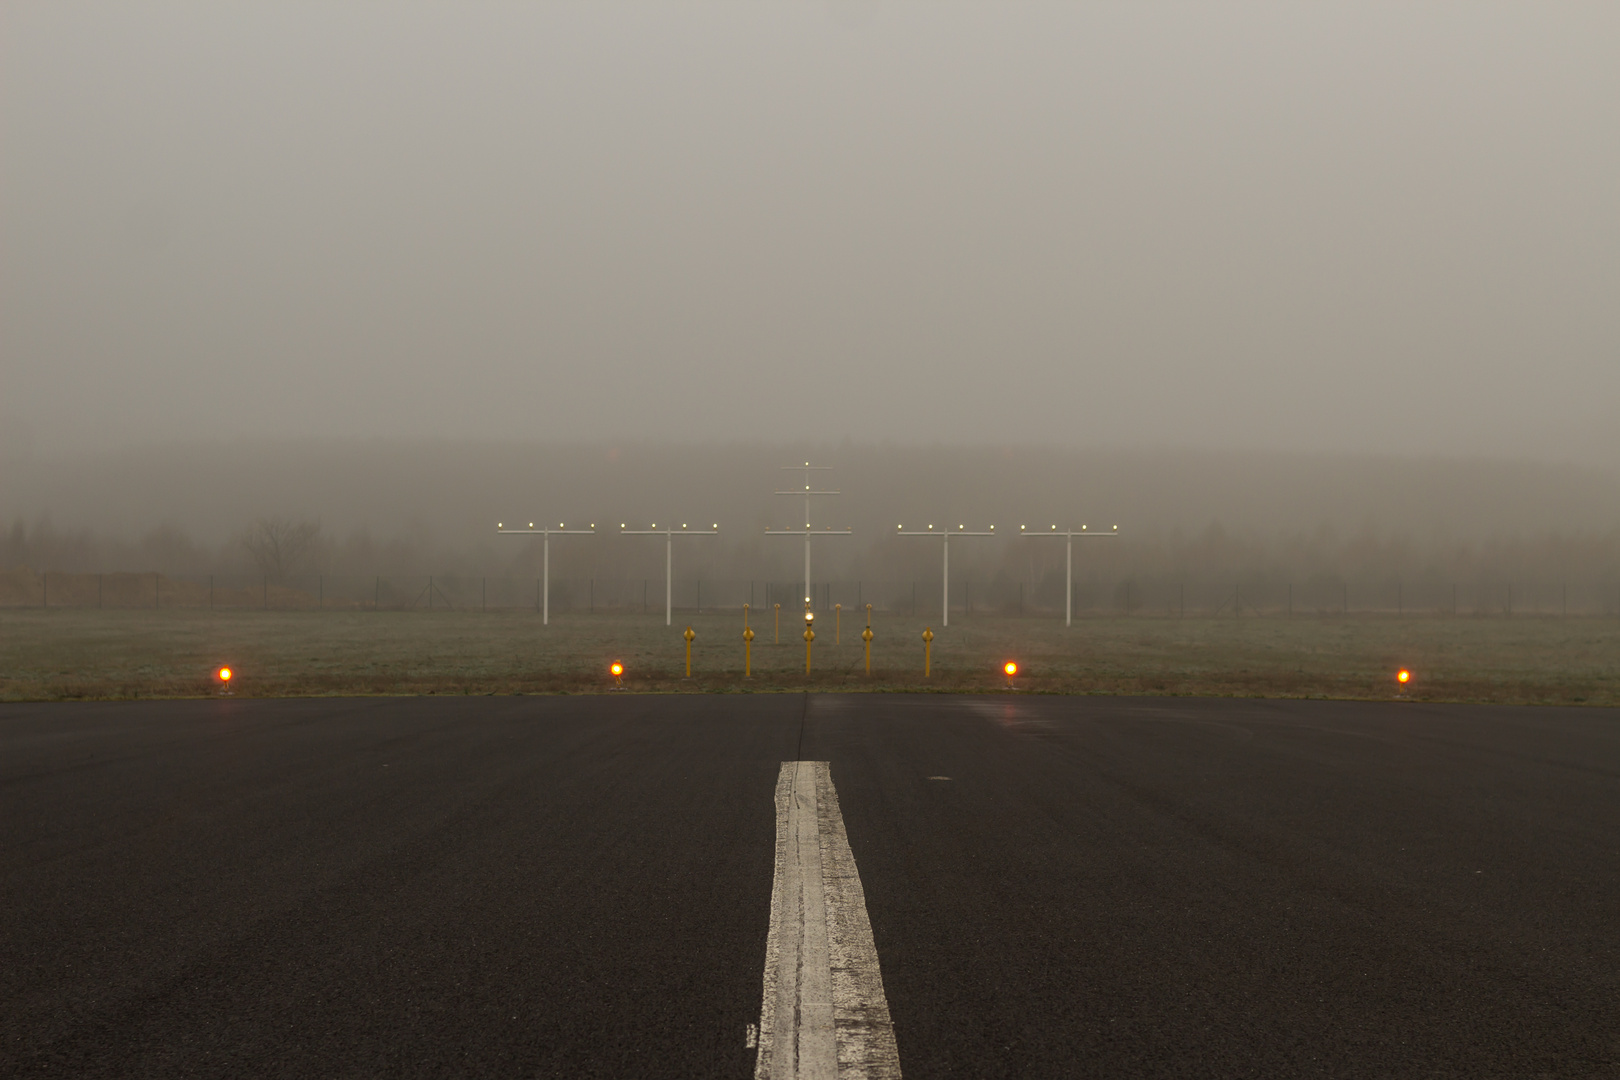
[824,1016]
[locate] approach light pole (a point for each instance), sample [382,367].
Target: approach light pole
[807,532]
[545,573]
[945,535]
[669,534]
[1068,561]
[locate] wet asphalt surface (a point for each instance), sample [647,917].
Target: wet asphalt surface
[528,886]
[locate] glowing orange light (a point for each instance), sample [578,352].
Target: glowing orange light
[224,674]
[1011,668]
[617,669]
[1403,676]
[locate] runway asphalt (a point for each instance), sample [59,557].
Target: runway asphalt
[554,886]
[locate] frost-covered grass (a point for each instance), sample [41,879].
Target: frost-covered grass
[79,653]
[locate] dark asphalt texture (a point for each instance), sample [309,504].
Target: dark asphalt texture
[529,886]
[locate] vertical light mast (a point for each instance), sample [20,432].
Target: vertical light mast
[806,532]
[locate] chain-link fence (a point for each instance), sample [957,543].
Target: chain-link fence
[1092,596]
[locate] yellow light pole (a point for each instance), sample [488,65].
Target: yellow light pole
[809,636]
[689,635]
[866,636]
[928,649]
[779,624]
[748,646]
[838,624]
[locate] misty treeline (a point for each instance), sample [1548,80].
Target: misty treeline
[286,510]
[283,550]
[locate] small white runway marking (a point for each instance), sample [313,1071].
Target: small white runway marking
[824,1015]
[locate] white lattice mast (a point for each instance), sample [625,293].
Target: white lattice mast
[545,573]
[1068,561]
[945,536]
[669,533]
[808,530]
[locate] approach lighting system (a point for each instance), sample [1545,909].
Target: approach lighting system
[1010,667]
[668,532]
[616,669]
[224,674]
[808,529]
[1068,561]
[545,532]
[945,535]
[1403,676]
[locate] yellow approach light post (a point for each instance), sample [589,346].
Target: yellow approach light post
[1068,561]
[928,650]
[779,624]
[806,532]
[689,636]
[866,636]
[945,535]
[748,646]
[545,573]
[838,624]
[809,637]
[669,534]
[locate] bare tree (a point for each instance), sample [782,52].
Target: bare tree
[281,547]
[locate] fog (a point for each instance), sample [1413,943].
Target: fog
[433,507]
[1336,227]
[1238,276]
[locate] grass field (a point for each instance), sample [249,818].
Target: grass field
[78,654]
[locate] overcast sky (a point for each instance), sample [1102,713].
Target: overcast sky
[1337,227]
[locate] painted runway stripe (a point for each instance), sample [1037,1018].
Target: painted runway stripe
[824,1015]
